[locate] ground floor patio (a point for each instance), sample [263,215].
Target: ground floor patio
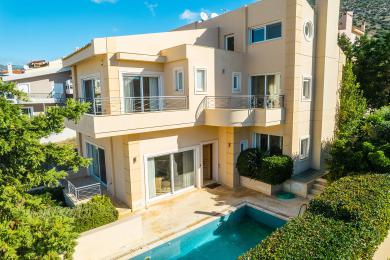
[166,219]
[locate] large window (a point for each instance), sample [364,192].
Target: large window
[97,167]
[141,93]
[266,32]
[265,85]
[229,42]
[91,92]
[200,80]
[28,111]
[268,143]
[170,173]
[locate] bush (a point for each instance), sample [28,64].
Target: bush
[54,193]
[276,169]
[309,237]
[254,164]
[348,221]
[95,213]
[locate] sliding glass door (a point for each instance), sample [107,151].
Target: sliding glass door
[97,167]
[267,90]
[141,93]
[167,174]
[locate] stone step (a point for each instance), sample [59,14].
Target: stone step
[319,186]
[321,181]
[315,191]
[310,196]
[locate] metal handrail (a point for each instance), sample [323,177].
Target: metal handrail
[245,102]
[127,105]
[84,192]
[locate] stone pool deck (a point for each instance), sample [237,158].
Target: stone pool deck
[138,231]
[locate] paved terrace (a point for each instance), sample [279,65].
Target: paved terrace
[140,231]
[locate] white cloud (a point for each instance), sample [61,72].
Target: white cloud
[189,16]
[152,7]
[104,1]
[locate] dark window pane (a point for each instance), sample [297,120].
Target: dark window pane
[264,143]
[257,35]
[230,43]
[102,166]
[276,145]
[274,31]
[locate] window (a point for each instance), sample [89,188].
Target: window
[179,80]
[141,93]
[267,32]
[25,87]
[243,145]
[236,82]
[308,30]
[306,88]
[97,167]
[200,80]
[268,143]
[304,148]
[229,42]
[169,173]
[28,111]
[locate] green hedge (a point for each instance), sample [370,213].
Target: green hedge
[348,221]
[95,213]
[254,164]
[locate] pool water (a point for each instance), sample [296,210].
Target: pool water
[225,238]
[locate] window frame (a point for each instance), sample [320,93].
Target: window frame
[307,78]
[97,178]
[255,145]
[239,82]
[264,26]
[226,37]
[30,109]
[307,153]
[197,90]
[244,145]
[175,71]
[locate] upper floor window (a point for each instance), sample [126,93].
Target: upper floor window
[306,88]
[261,85]
[236,82]
[179,80]
[25,87]
[266,32]
[200,80]
[229,42]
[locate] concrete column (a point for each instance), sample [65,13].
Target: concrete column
[326,82]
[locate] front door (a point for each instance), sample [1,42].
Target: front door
[207,163]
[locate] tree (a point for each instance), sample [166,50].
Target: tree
[352,104]
[372,68]
[30,227]
[346,46]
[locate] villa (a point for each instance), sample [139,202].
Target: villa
[170,112]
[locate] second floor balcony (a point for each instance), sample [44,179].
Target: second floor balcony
[264,110]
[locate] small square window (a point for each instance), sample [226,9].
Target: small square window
[179,80]
[236,82]
[306,88]
[274,31]
[200,80]
[304,149]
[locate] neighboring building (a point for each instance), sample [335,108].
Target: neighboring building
[172,111]
[45,85]
[9,70]
[347,28]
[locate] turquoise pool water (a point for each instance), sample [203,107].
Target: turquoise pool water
[225,238]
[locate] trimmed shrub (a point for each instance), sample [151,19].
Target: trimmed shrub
[254,164]
[348,221]
[95,213]
[275,169]
[310,237]
[55,193]
[249,162]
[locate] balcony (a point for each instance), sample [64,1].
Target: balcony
[116,116]
[81,189]
[244,110]
[129,105]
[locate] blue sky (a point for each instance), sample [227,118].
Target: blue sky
[49,29]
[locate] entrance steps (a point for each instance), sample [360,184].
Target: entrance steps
[306,184]
[318,187]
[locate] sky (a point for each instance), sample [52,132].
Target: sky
[51,29]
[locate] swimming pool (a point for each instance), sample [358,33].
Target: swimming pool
[224,238]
